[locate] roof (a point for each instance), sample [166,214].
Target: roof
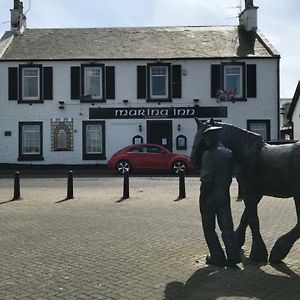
[294,102]
[138,43]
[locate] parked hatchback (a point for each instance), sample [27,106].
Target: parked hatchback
[148,157]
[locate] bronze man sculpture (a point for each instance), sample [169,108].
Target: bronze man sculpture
[216,178]
[261,169]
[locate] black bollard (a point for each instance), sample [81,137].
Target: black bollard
[17,194]
[70,186]
[126,186]
[181,185]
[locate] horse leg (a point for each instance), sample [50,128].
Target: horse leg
[284,244]
[258,250]
[240,232]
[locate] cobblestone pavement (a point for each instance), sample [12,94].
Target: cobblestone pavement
[149,246]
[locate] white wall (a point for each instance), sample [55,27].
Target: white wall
[195,85]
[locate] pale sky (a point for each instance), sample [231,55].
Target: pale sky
[278,20]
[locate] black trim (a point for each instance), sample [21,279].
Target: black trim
[28,157]
[264,121]
[141,82]
[48,83]
[251,81]
[21,67]
[86,156]
[215,80]
[75,83]
[176,81]
[13,87]
[149,99]
[110,82]
[88,99]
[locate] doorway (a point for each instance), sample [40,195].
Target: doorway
[160,132]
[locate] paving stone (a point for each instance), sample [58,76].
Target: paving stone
[146,247]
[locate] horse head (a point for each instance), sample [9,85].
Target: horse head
[199,146]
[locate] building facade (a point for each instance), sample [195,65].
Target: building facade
[293,115]
[76,96]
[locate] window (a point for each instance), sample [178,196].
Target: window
[30,141]
[30,83]
[261,127]
[181,142]
[137,139]
[158,82]
[93,82]
[93,140]
[233,80]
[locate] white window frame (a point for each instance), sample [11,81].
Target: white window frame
[88,139]
[86,70]
[38,83]
[163,96]
[240,81]
[31,128]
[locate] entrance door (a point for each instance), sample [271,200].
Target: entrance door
[160,132]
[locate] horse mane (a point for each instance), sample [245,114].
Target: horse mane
[245,145]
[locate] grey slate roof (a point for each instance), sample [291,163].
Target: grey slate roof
[137,43]
[294,102]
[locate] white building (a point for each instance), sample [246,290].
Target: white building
[294,114]
[75,96]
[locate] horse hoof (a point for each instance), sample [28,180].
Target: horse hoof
[259,253]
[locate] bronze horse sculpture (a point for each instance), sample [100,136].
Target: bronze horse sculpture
[261,169]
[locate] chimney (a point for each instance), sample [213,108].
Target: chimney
[17,18]
[248,17]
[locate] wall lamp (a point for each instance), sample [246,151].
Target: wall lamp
[125,101]
[61,104]
[178,127]
[196,100]
[140,128]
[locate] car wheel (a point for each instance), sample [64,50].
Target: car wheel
[178,166]
[123,166]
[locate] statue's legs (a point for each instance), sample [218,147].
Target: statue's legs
[284,244]
[240,232]
[226,225]
[217,256]
[258,250]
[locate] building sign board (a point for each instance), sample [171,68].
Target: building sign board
[158,112]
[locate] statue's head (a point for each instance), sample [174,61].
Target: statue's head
[199,145]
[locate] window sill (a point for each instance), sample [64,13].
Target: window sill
[93,157]
[159,100]
[90,100]
[30,157]
[30,101]
[233,100]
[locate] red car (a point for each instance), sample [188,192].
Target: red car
[148,157]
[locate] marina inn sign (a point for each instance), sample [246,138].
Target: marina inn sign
[158,112]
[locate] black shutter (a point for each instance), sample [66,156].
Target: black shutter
[251,81]
[75,82]
[141,82]
[13,83]
[176,81]
[48,83]
[215,82]
[110,82]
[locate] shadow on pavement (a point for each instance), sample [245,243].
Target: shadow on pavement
[212,283]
